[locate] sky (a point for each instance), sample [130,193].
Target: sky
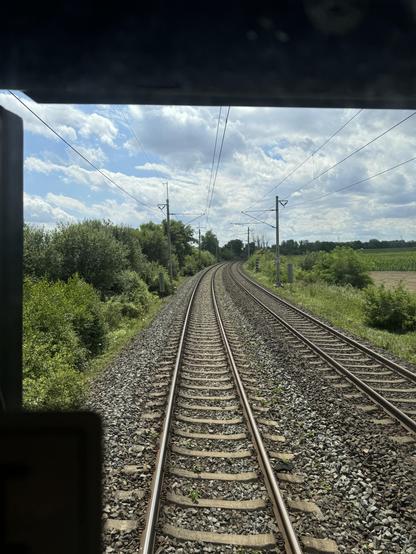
[140,148]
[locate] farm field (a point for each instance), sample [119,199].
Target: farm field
[401,259]
[386,259]
[393,278]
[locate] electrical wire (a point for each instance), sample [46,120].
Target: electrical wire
[354,152]
[308,157]
[81,155]
[384,171]
[213,162]
[218,160]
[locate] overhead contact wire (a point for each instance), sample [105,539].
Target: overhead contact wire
[80,154]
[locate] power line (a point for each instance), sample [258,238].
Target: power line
[213,161]
[310,156]
[139,142]
[80,154]
[354,152]
[218,160]
[356,182]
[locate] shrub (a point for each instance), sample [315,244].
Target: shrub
[132,288]
[49,334]
[309,261]
[130,310]
[392,309]
[342,266]
[196,261]
[91,250]
[85,310]
[60,388]
[113,313]
[151,277]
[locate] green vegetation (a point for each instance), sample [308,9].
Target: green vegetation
[386,318]
[390,260]
[393,309]
[89,287]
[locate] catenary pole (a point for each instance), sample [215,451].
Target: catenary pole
[168,232]
[277,244]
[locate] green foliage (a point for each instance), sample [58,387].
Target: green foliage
[390,260]
[64,326]
[233,250]
[151,277]
[197,261]
[91,250]
[392,309]
[129,237]
[85,311]
[60,388]
[39,257]
[267,265]
[309,261]
[154,243]
[113,313]
[209,242]
[342,266]
[181,238]
[133,289]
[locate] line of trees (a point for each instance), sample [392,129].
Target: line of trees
[290,247]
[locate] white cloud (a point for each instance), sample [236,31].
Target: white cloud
[71,121]
[262,145]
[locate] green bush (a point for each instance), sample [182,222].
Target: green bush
[342,266]
[62,387]
[63,326]
[130,310]
[86,313]
[151,277]
[196,261]
[392,309]
[91,250]
[113,313]
[132,288]
[49,333]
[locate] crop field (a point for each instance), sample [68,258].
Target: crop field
[400,259]
[393,278]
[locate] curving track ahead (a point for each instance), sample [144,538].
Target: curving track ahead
[388,384]
[211,441]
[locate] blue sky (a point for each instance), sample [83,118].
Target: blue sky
[141,147]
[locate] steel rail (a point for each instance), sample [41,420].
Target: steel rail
[279,507]
[379,357]
[148,536]
[390,408]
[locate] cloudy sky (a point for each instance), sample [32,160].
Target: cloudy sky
[141,147]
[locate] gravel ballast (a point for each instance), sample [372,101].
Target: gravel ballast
[120,395]
[363,482]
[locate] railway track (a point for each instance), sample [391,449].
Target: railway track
[213,481]
[389,385]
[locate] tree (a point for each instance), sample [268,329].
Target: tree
[39,256]
[91,250]
[130,238]
[234,249]
[154,243]
[181,238]
[209,242]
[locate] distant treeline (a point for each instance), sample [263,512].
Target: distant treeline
[290,247]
